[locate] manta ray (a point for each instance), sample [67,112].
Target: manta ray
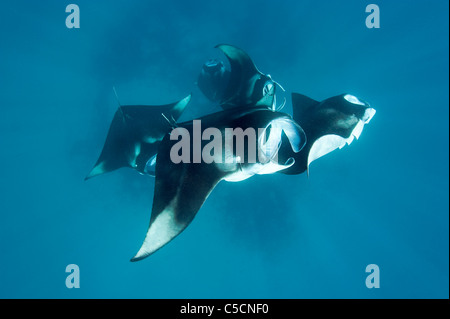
[242,86]
[143,137]
[181,188]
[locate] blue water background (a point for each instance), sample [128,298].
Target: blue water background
[382,200]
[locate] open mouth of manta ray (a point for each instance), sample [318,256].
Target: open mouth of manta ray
[268,147]
[233,145]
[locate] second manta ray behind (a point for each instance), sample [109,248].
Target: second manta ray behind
[243,86]
[181,188]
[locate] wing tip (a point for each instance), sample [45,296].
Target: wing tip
[140,255]
[137,258]
[98,169]
[143,253]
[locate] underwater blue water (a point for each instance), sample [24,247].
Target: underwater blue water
[382,200]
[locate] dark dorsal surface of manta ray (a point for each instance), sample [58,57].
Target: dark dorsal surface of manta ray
[328,125]
[135,134]
[181,188]
[244,85]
